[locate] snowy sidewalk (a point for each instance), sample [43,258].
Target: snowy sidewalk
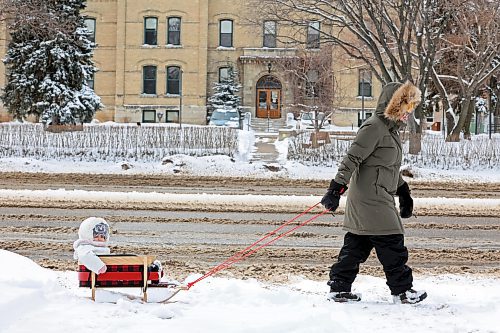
[264,149]
[43,299]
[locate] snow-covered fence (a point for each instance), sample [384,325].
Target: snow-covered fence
[480,152]
[116,142]
[300,149]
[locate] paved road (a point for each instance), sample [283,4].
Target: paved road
[246,228]
[191,242]
[223,185]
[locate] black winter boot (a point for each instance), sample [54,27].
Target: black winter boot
[343,296]
[409,297]
[341,292]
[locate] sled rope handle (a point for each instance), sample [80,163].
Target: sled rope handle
[257,245]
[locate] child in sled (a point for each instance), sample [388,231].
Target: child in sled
[93,240]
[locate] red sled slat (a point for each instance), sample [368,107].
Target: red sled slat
[118,276]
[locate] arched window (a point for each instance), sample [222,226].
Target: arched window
[313,30]
[150,31]
[223,73]
[149,80]
[268,82]
[269,34]
[312,86]
[90,81]
[174,80]
[365,83]
[226,33]
[90,24]
[174,31]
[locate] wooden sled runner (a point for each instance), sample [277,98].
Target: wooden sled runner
[124,271]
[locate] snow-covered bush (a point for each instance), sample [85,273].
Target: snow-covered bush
[116,142]
[225,96]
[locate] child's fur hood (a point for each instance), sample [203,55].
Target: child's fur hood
[400,101]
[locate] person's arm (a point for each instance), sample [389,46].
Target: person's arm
[405,199]
[401,181]
[90,260]
[363,145]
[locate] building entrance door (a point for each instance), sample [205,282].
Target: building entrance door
[268,103]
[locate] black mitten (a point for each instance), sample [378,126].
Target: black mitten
[331,199]
[405,201]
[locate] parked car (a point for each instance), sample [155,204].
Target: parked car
[229,118]
[307,120]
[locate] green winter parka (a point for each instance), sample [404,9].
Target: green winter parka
[371,167]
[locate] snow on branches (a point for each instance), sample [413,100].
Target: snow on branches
[49,60]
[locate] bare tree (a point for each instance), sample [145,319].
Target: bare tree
[469,55]
[35,15]
[396,39]
[312,82]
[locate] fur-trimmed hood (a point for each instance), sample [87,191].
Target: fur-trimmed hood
[396,98]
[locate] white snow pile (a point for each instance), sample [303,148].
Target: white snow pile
[37,299]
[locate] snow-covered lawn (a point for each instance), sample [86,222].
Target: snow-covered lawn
[225,167]
[35,299]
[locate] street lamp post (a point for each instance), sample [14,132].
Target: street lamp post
[490,107]
[269,67]
[363,98]
[442,124]
[180,99]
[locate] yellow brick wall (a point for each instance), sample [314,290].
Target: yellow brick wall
[4,116]
[120,56]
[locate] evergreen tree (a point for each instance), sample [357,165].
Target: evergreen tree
[48,64]
[225,95]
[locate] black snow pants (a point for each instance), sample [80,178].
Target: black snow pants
[391,253]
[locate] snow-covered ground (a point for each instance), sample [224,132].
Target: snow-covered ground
[38,299]
[35,299]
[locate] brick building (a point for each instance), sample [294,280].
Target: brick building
[158,60]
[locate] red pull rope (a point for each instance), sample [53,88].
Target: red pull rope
[270,242]
[252,248]
[240,253]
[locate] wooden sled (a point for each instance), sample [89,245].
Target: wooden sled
[125,271]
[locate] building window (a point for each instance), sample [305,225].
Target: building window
[226,33]
[313,35]
[173,80]
[150,31]
[90,24]
[223,73]
[269,34]
[172,116]
[149,80]
[149,116]
[174,31]
[365,83]
[90,81]
[312,86]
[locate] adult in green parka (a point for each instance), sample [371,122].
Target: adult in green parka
[371,171]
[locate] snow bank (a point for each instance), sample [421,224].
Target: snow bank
[35,299]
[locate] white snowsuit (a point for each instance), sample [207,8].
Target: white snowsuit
[86,249]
